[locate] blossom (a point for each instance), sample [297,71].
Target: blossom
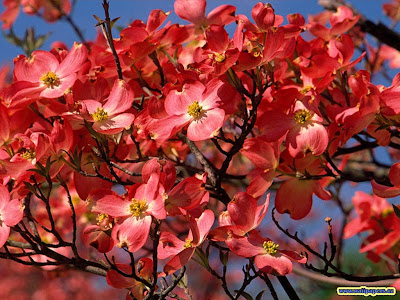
[137,288]
[11,212]
[111,118]
[182,251]
[194,12]
[267,255]
[135,211]
[50,12]
[243,215]
[375,215]
[303,129]
[265,156]
[195,105]
[387,191]
[47,76]
[294,197]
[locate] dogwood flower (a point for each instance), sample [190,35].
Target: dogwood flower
[267,255]
[11,213]
[111,118]
[181,251]
[135,211]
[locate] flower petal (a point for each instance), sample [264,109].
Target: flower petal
[114,124]
[169,245]
[277,264]
[179,261]
[120,99]
[108,202]
[4,233]
[206,127]
[13,212]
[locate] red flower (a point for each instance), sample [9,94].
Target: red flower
[141,203]
[48,77]
[295,197]
[111,118]
[387,191]
[267,255]
[11,213]
[194,12]
[195,105]
[137,288]
[303,129]
[181,251]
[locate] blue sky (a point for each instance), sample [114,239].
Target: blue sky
[130,10]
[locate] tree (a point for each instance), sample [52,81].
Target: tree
[119,154]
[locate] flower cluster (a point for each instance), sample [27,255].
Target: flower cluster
[145,138]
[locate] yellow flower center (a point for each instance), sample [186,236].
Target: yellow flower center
[137,207]
[103,220]
[387,212]
[306,89]
[256,52]
[100,114]
[195,110]
[302,116]
[188,244]
[50,79]
[219,57]
[28,155]
[270,247]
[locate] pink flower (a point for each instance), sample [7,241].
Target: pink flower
[135,211]
[243,216]
[181,251]
[194,12]
[195,105]
[48,77]
[111,118]
[303,129]
[11,213]
[138,289]
[267,256]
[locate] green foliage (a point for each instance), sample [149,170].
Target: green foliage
[30,42]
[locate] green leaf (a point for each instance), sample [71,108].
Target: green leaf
[48,165]
[203,258]
[114,21]
[396,210]
[259,296]
[100,21]
[223,257]
[30,187]
[382,127]
[208,250]
[246,295]
[30,42]
[183,282]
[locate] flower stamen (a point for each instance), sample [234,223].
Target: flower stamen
[188,244]
[270,247]
[137,207]
[28,155]
[100,114]
[302,116]
[50,79]
[219,57]
[195,110]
